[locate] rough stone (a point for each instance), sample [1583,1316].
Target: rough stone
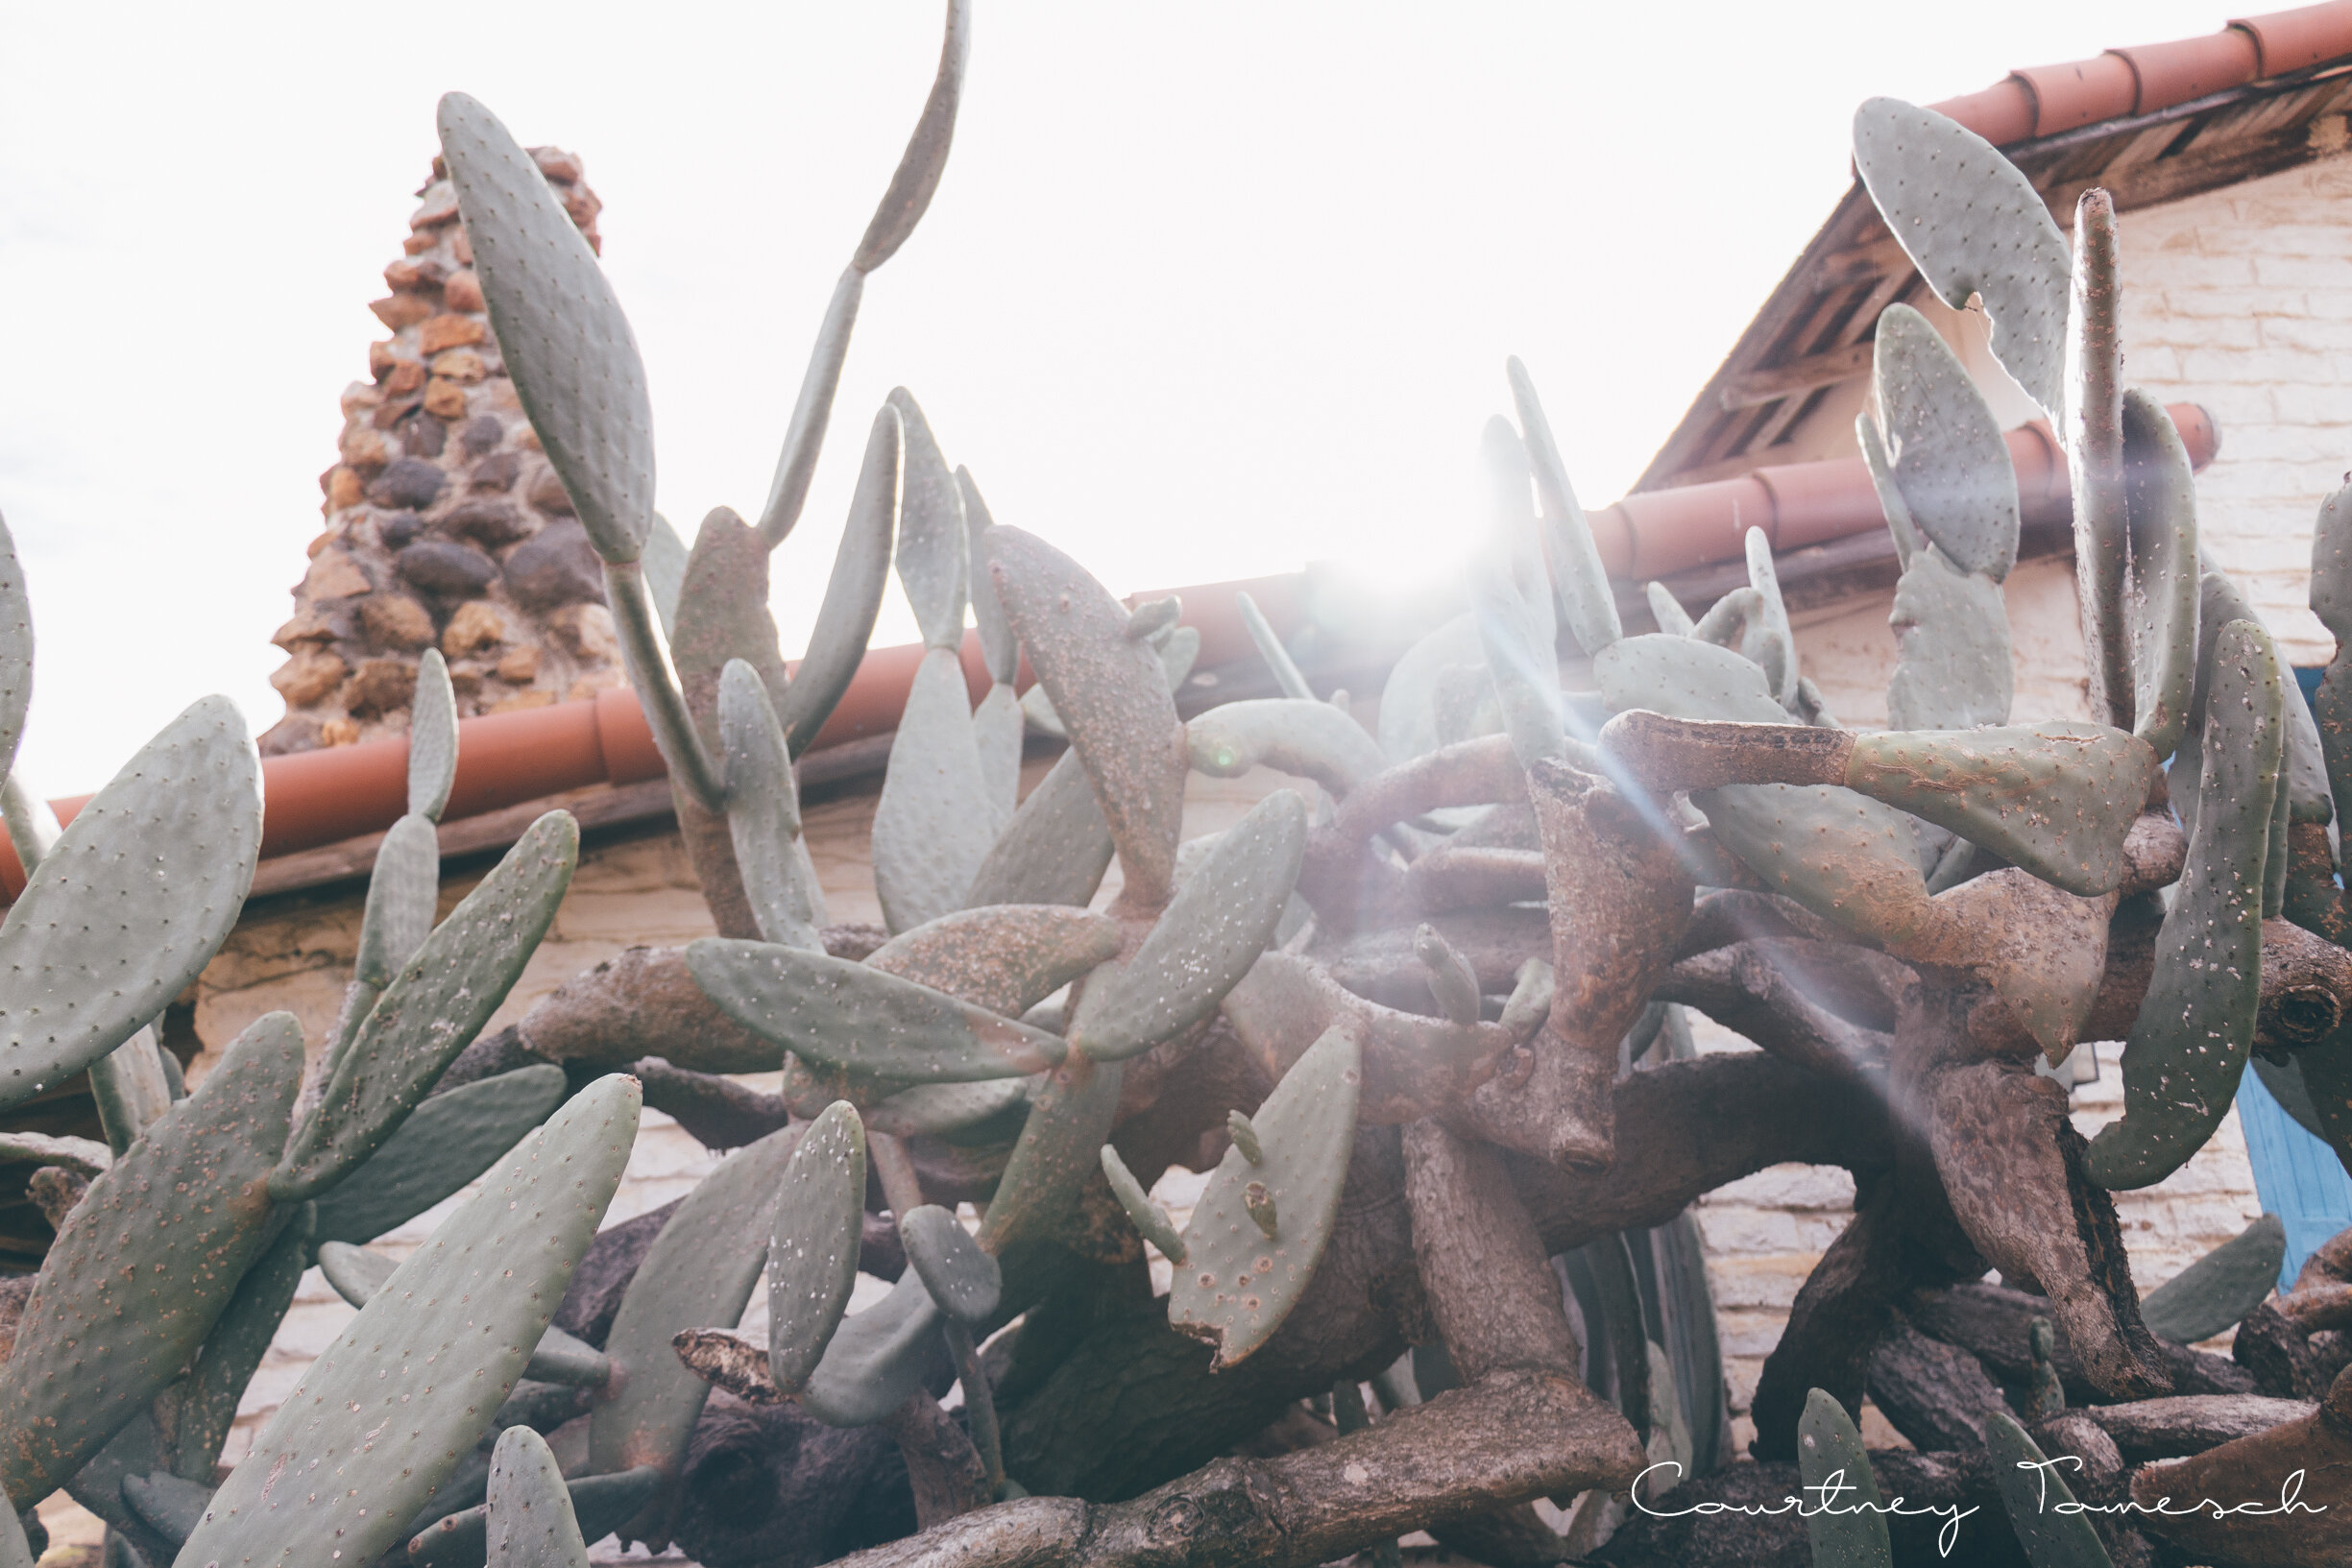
[406,378]
[586,632]
[382,357]
[489,522]
[462,292]
[462,366]
[333,575]
[445,399]
[481,434]
[400,310]
[448,332]
[422,436]
[395,529]
[344,487]
[521,700]
[556,567]
[439,206]
[441,566]
[379,687]
[310,675]
[410,483]
[397,623]
[308,626]
[296,731]
[496,471]
[547,494]
[338,731]
[477,625]
[364,449]
[518,666]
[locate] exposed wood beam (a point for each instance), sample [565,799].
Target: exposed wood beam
[1754,387]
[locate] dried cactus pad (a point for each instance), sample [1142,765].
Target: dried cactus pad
[531,1522]
[133,902]
[857,1018]
[567,346]
[432,1009]
[1973,223]
[963,1280]
[1949,459]
[2187,1047]
[1853,1535]
[388,1410]
[2057,799]
[812,1253]
[1005,958]
[2220,1288]
[1237,1284]
[1214,928]
[139,1273]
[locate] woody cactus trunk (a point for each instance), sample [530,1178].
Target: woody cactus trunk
[1418,1015]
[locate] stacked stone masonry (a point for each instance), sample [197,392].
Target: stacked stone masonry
[445,526]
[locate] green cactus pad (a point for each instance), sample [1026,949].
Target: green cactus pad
[1150,1220]
[1069,1119]
[1667,610]
[140,1273]
[1419,706]
[16,1552]
[813,1248]
[166,1504]
[233,1351]
[963,1280]
[15,650]
[599,1505]
[1221,919]
[370,1431]
[1005,958]
[853,593]
[1110,692]
[877,1358]
[999,649]
[1288,678]
[2220,1288]
[1945,447]
[432,1009]
[1973,223]
[1297,736]
[402,890]
[934,826]
[2055,799]
[1848,1526]
[1237,1286]
[999,731]
[764,809]
[359,1274]
[665,563]
[935,1109]
[932,534]
[1055,849]
[699,1273]
[1244,1136]
[2052,1528]
[560,327]
[356,1273]
[133,902]
[857,1018]
[575,1364]
[432,737]
[1952,670]
[530,1524]
[917,176]
[1770,644]
[2188,1046]
[2161,592]
[129,1088]
[1577,572]
[84,1155]
[1512,598]
[445,1143]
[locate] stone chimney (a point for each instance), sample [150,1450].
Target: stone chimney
[445,524]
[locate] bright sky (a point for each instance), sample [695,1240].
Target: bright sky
[1209,290]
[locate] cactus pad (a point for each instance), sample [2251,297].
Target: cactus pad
[1576,569]
[432,736]
[2219,1288]
[699,1273]
[2188,1046]
[813,1249]
[1297,735]
[433,1009]
[233,1351]
[16,651]
[1848,1524]
[529,1513]
[853,593]
[1221,919]
[931,532]
[963,1279]
[1055,849]
[1069,1117]
[2050,1526]
[764,809]
[445,1143]
[354,1452]
[131,902]
[855,1017]
[599,1505]
[877,1357]
[1005,957]
[1945,447]
[402,892]
[2161,592]
[1150,1220]
[1237,1286]
[138,1275]
[1973,223]
[567,346]
[934,826]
